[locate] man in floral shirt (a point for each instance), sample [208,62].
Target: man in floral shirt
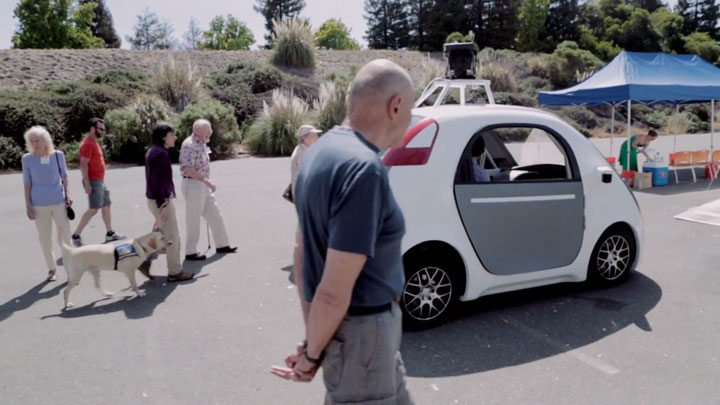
[199,191]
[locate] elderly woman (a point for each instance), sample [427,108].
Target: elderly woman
[46,191]
[306,135]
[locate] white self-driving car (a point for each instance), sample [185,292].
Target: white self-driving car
[549,209]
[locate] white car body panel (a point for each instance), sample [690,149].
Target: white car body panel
[426,195]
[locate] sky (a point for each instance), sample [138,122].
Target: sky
[179,13]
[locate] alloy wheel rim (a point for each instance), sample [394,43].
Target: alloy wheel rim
[614,257]
[427,293]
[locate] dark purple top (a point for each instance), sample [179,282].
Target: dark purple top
[158,175]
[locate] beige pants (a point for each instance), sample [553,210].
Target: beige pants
[200,202]
[171,232]
[44,217]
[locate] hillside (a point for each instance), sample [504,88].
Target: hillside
[28,69]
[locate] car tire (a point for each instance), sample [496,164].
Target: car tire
[612,258]
[430,294]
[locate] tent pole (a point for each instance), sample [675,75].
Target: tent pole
[612,128]
[712,125]
[629,131]
[677,122]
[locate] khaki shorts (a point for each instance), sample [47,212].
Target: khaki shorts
[362,363]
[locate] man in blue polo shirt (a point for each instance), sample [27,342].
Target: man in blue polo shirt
[348,262]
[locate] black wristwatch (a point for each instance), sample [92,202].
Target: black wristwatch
[310,359]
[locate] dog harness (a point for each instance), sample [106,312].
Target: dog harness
[124,251]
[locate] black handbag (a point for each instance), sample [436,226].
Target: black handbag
[287,194]
[68,208]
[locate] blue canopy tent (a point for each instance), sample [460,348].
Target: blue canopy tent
[644,78]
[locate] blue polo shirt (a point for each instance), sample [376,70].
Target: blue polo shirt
[344,202]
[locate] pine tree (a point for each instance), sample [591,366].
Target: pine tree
[102,25]
[277,10]
[562,22]
[501,25]
[649,5]
[446,17]
[151,33]
[477,20]
[699,15]
[387,24]
[420,24]
[193,36]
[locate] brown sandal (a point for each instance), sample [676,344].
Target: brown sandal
[51,276]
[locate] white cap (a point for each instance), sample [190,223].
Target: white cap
[306,129]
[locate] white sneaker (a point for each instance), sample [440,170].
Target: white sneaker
[115,236]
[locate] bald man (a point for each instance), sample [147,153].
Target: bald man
[348,263]
[199,191]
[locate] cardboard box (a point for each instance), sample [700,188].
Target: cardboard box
[642,181]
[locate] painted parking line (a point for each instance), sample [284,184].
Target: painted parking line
[562,347]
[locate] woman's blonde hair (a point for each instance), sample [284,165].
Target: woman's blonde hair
[40,131]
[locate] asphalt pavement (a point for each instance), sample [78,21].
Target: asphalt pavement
[651,340]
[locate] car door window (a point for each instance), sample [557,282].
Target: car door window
[515,154]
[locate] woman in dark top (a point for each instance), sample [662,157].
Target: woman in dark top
[160,192]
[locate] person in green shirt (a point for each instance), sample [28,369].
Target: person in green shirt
[637,144]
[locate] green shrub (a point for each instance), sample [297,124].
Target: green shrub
[129,82]
[244,102]
[515,99]
[72,152]
[455,37]
[330,106]
[130,128]
[700,43]
[581,116]
[537,66]
[428,71]
[656,119]
[226,131]
[502,77]
[10,153]
[274,132]
[87,101]
[259,77]
[20,110]
[567,62]
[294,45]
[178,83]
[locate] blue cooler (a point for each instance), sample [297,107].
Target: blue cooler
[659,172]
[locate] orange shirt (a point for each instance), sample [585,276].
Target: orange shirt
[90,149]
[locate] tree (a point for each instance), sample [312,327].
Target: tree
[420,13]
[669,26]
[151,33]
[501,26]
[54,24]
[562,22]
[532,35]
[638,33]
[102,24]
[649,5]
[387,25]
[700,43]
[699,15]
[277,10]
[446,17]
[334,34]
[477,17]
[193,36]
[228,34]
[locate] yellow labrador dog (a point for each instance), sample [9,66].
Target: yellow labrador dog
[125,257]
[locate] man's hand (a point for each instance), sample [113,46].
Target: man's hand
[298,368]
[31,212]
[68,201]
[164,214]
[88,188]
[210,185]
